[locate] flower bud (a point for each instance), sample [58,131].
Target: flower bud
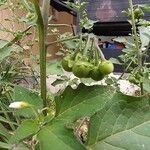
[19,105]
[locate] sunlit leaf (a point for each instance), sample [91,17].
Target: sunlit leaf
[123,123]
[70,106]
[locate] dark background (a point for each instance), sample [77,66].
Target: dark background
[110,19]
[117,6]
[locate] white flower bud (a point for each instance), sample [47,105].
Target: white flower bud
[18,105]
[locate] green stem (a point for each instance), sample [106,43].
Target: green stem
[96,56]
[135,38]
[80,43]
[45,14]
[91,50]
[126,69]
[63,40]
[16,39]
[42,49]
[100,51]
[87,45]
[142,89]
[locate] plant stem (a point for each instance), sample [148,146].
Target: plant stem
[142,89]
[135,38]
[87,45]
[45,14]
[96,57]
[96,54]
[126,69]
[80,43]
[66,39]
[91,49]
[16,39]
[59,25]
[42,49]
[100,51]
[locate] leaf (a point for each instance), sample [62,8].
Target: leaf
[58,139]
[58,81]
[23,94]
[4,145]
[109,81]
[146,85]
[20,146]
[6,50]
[2,119]
[2,2]
[120,40]
[70,106]
[25,130]
[70,44]
[4,132]
[147,35]
[115,61]
[146,7]
[54,67]
[144,39]
[86,80]
[122,123]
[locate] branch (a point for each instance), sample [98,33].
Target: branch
[17,38]
[63,40]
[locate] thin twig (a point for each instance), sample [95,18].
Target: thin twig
[63,40]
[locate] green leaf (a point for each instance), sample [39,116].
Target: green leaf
[23,94]
[4,145]
[115,61]
[86,80]
[144,39]
[58,81]
[54,67]
[6,50]
[57,137]
[4,132]
[120,40]
[2,119]
[70,106]
[20,146]
[146,85]
[122,123]
[25,130]
[2,2]
[70,44]
[146,6]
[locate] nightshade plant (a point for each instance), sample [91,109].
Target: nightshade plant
[117,121]
[136,51]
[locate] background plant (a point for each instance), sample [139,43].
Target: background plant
[136,51]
